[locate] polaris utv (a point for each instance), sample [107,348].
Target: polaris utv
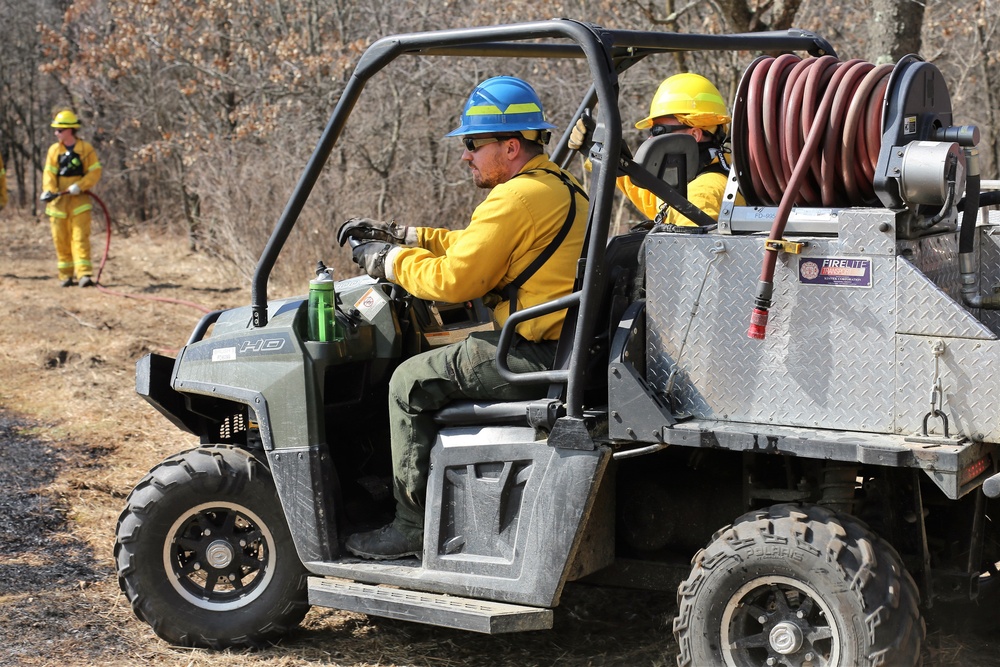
[797,402]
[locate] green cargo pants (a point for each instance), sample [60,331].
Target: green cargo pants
[431,380]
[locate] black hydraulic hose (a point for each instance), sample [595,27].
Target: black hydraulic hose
[971,205]
[967,238]
[990,198]
[949,199]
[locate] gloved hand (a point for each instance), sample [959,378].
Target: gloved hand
[48,196]
[370,256]
[73,189]
[366,229]
[580,138]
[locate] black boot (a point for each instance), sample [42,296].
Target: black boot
[384,543]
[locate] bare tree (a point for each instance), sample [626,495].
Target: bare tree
[207,111]
[894,29]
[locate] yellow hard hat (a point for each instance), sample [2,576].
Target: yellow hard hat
[691,98]
[66,118]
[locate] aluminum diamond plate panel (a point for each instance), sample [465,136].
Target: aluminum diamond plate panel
[989,267]
[937,258]
[827,360]
[969,381]
[927,310]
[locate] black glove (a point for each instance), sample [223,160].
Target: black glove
[581,137]
[366,229]
[370,257]
[48,196]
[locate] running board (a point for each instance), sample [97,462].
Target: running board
[431,608]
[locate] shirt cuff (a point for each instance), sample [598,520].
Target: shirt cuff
[390,261]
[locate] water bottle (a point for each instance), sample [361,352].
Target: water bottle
[323,306]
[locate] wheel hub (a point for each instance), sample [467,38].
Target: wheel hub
[219,554]
[785,638]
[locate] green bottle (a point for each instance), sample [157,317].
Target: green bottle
[323,307]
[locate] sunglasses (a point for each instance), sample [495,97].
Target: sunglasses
[473,144]
[659,130]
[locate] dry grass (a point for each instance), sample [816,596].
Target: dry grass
[75,438]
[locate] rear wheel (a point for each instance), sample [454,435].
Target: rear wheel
[794,586]
[204,554]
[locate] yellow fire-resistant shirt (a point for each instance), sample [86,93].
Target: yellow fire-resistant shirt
[705,192]
[513,225]
[68,205]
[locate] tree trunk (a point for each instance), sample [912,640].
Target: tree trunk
[894,30]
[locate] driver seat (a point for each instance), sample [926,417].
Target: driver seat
[622,269]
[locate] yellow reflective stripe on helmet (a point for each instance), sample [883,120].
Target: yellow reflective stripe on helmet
[81,209]
[493,110]
[523,107]
[484,110]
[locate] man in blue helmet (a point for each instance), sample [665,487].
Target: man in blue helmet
[522,243]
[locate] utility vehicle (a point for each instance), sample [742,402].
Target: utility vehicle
[797,402]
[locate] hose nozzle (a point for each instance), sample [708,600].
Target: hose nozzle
[758,324]
[759,314]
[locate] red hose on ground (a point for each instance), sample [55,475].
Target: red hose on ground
[104,260]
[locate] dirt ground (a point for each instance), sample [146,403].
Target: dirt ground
[75,438]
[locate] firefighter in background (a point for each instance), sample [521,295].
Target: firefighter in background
[3,186]
[71,169]
[690,104]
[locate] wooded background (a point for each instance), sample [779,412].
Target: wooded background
[205,112]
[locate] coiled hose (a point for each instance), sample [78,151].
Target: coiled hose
[782,105]
[808,133]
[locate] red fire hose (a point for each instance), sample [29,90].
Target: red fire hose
[813,135]
[104,260]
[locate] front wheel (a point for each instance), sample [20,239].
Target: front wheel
[798,586]
[204,553]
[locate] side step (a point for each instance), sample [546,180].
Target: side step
[431,608]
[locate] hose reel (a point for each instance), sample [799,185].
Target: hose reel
[887,140]
[821,132]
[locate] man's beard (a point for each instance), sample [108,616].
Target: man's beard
[490,175]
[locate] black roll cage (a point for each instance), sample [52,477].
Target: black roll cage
[608,52]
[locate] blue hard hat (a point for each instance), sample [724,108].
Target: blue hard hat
[502,104]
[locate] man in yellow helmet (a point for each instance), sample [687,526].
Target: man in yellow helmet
[683,104]
[71,169]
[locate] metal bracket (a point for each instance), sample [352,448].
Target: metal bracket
[937,405]
[781,245]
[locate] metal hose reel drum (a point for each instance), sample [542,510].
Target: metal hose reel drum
[888,139]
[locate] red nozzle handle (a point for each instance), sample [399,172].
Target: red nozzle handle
[758,324]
